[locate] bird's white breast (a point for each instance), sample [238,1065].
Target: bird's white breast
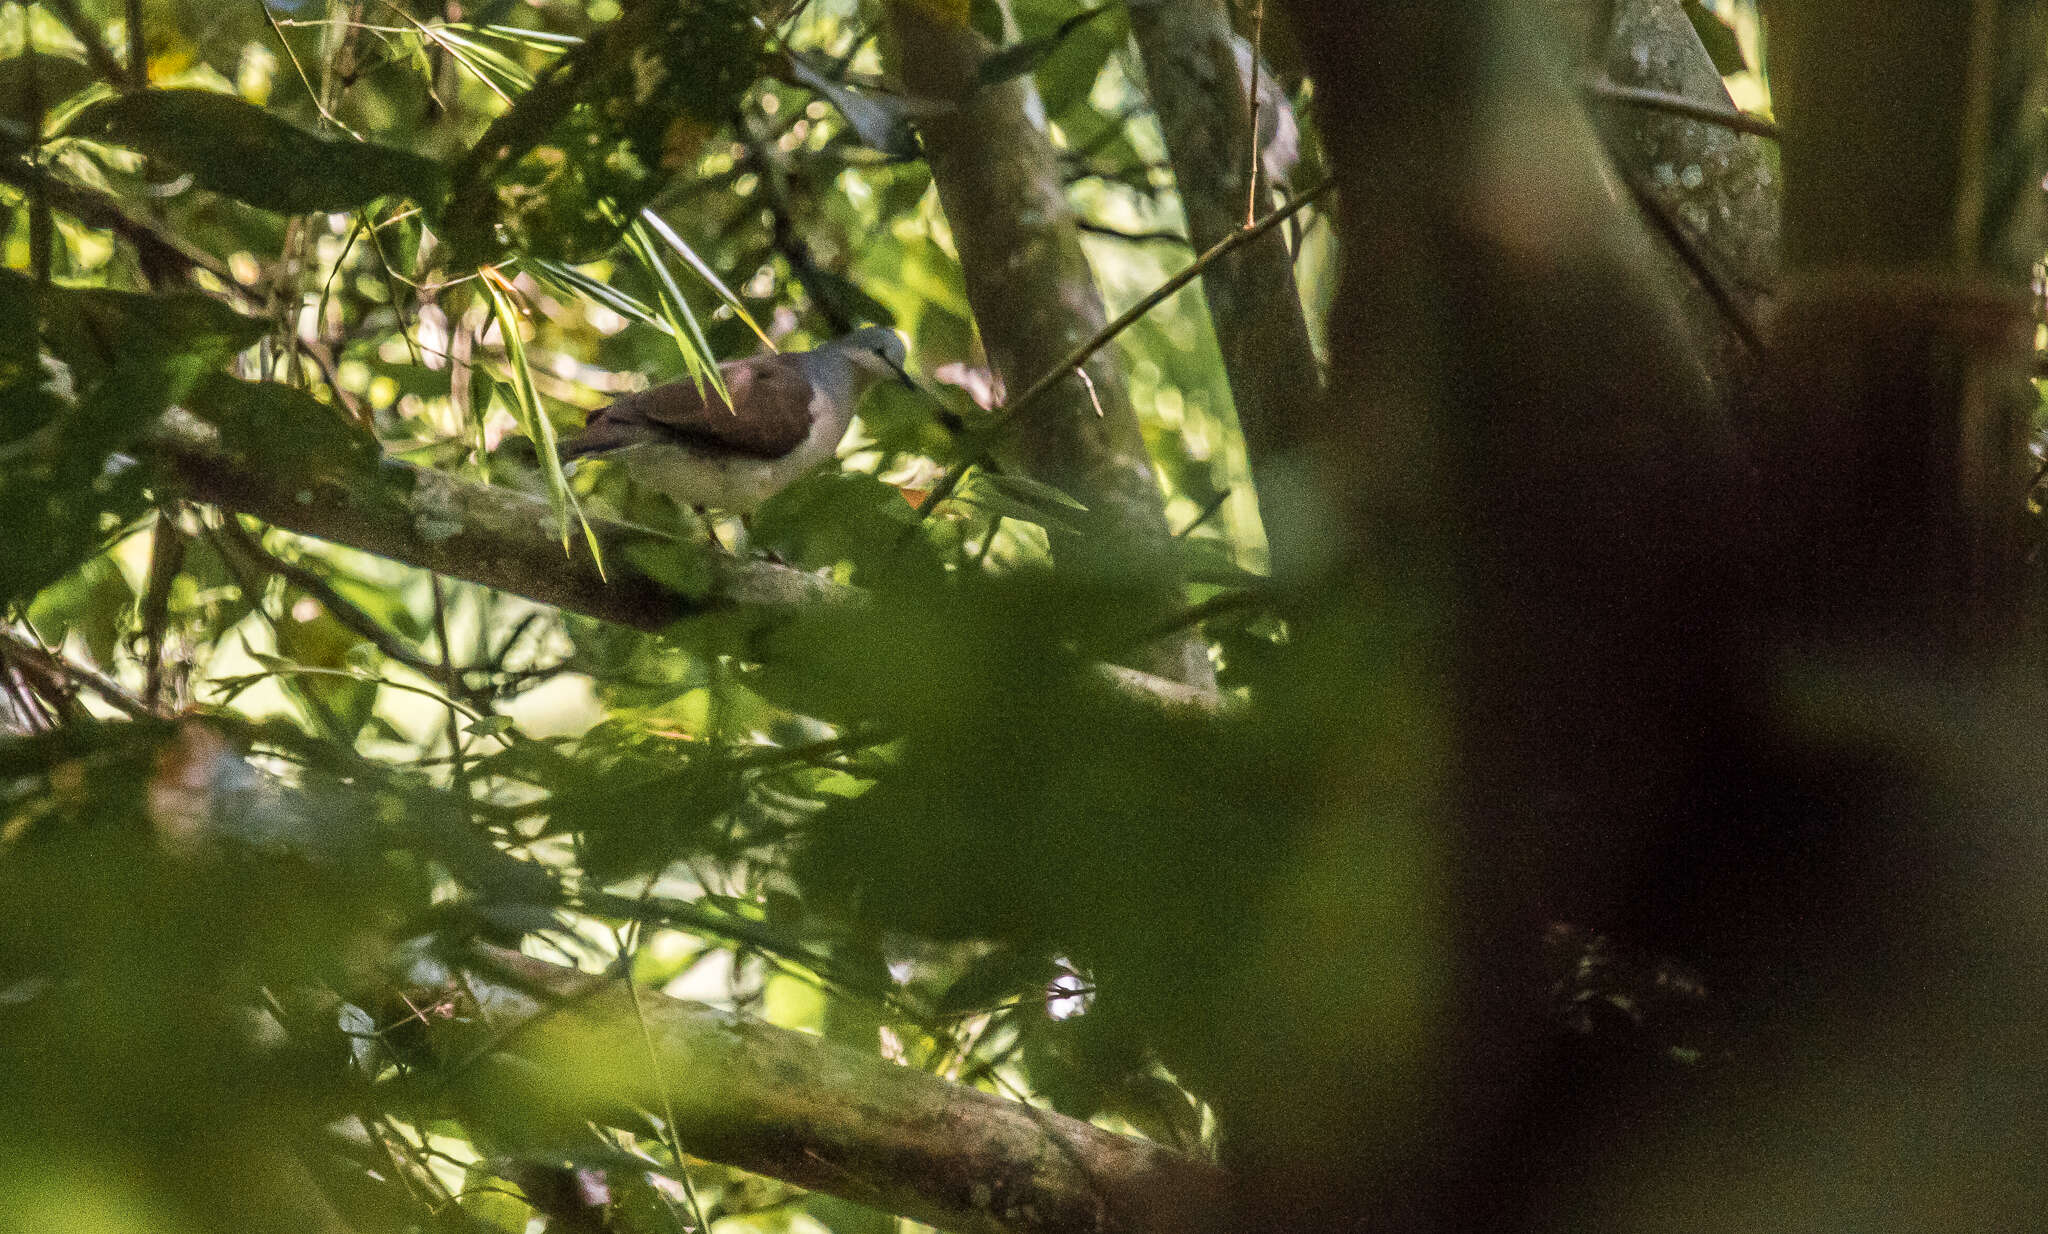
[701,476]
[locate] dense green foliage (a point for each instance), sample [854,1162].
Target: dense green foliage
[343,232]
[347,885]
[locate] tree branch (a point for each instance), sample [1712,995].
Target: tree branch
[508,540]
[796,1107]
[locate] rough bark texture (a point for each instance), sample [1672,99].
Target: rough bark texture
[1192,77]
[810,1112]
[1035,300]
[1712,184]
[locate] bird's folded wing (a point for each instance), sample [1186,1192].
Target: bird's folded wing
[773,418]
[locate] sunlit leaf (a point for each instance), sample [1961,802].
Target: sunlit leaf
[590,142]
[698,358]
[681,249]
[243,151]
[1024,57]
[533,418]
[1719,38]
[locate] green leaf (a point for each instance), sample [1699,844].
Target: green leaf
[266,420]
[569,279]
[600,132]
[56,78]
[1025,500]
[1020,58]
[698,358]
[238,149]
[1024,488]
[533,418]
[90,329]
[710,277]
[1718,37]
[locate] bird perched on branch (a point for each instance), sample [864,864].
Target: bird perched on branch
[787,415]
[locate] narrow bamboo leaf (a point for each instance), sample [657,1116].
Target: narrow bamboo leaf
[533,418]
[1024,488]
[242,151]
[569,279]
[1021,503]
[690,341]
[539,40]
[881,121]
[705,272]
[1020,58]
[488,64]
[1718,37]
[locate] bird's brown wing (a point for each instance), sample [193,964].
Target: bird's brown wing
[774,414]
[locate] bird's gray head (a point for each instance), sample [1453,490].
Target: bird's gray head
[876,349]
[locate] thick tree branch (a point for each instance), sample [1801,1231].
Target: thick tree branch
[808,1111]
[492,536]
[508,540]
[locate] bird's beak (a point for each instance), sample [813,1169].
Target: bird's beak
[903,375]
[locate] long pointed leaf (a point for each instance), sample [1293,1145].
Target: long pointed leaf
[689,336]
[533,418]
[574,282]
[704,271]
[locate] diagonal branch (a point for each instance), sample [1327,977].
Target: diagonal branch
[507,540]
[811,1112]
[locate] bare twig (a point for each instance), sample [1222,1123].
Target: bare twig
[1251,103]
[96,52]
[1679,105]
[96,209]
[1688,249]
[138,55]
[166,558]
[979,445]
[344,610]
[53,668]
[1134,237]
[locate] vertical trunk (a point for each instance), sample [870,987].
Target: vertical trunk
[1708,193]
[1035,300]
[1191,74]
[1912,185]
[1521,662]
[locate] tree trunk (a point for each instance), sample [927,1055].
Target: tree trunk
[1191,74]
[1911,221]
[1034,301]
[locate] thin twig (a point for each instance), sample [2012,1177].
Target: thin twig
[1679,105]
[1688,250]
[344,610]
[451,681]
[138,55]
[166,558]
[1133,237]
[101,211]
[1001,420]
[1251,104]
[1208,512]
[50,664]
